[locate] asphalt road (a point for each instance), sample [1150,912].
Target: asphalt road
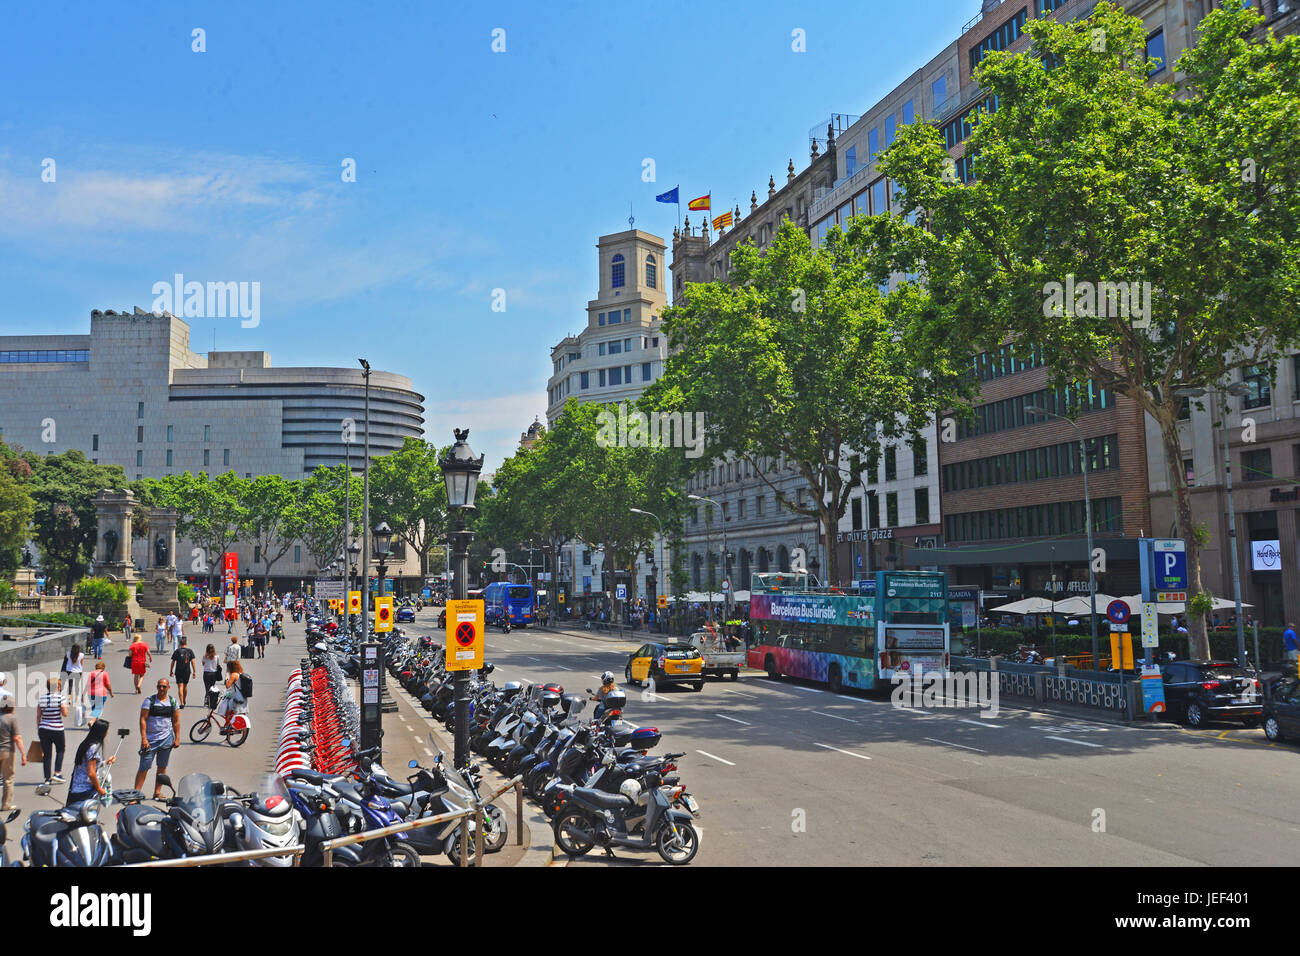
[787,773]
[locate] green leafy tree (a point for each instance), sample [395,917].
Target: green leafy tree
[16,510]
[407,491]
[271,519]
[797,358]
[63,488]
[210,513]
[1089,173]
[321,501]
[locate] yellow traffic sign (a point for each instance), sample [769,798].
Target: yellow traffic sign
[383,613]
[663,601]
[464,635]
[354,602]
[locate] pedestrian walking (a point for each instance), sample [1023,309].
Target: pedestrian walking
[11,749]
[128,627]
[141,658]
[85,783]
[160,636]
[178,631]
[100,688]
[232,700]
[182,668]
[50,711]
[97,633]
[73,662]
[160,731]
[211,668]
[232,649]
[1291,645]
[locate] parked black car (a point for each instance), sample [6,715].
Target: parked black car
[1282,711]
[1197,691]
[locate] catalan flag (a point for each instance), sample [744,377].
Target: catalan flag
[701,203]
[722,221]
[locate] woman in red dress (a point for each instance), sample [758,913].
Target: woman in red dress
[141,658]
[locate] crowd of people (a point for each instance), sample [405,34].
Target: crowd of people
[77,698]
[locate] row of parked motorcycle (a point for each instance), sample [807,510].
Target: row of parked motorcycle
[593,776]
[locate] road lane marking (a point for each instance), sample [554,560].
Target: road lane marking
[837,750]
[951,744]
[806,690]
[979,723]
[562,667]
[428,752]
[739,694]
[835,717]
[718,759]
[734,720]
[1081,743]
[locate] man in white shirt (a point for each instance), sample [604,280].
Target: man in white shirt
[232,650]
[171,625]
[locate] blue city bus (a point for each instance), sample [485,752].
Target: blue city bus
[859,640]
[505,601]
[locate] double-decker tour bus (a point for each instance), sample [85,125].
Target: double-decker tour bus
[859,640]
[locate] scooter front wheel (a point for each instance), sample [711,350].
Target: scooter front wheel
[403,854]
[495,829]
[677,848]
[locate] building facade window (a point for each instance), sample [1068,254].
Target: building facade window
[297,553]
[920,458]
[1189,472]
[939,91]
[645,371]
[583,379]
[922,505]
[94,443]
[169,432]
[139,459]
[1257,465]
[207,433]
[855,510]
[207,457]
[169,457]
[601,318]
[651,271]
[891,510]
[139,409]
[891,464]
[616,272]
[1155,52]
[1258,387]
[139,433]
[873,511]
[225,458]
[878,198]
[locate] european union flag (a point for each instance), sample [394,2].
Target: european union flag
[670,196]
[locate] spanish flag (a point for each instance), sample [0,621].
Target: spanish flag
[722,221]
[701,203]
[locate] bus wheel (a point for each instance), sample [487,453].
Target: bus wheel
[834,680]
[769,664]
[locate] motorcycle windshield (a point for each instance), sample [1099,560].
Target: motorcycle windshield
[199,796]
[272,792]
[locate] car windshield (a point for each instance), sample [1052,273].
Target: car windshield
[198,795]
[682,650]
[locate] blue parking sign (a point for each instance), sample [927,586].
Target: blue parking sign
[1170,571]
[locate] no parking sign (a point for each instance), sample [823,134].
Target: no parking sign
[464,635]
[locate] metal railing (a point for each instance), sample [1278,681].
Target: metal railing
[220,859]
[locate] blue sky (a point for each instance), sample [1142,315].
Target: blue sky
[475,170]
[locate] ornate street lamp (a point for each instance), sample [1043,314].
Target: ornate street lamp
[460,471]
[383,544]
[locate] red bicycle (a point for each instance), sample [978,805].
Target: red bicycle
[233,726]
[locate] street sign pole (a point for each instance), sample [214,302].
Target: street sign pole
[461,540]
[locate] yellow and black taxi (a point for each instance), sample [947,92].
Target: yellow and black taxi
[666,663]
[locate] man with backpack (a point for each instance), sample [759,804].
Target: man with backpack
[160,731]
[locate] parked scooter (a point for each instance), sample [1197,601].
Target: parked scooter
[265,819]
[4,836]
[640,816]
[192,825]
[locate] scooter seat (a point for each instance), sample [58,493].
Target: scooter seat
[316,777]
[140,815]
[601,800]
[391,788]
[45,841]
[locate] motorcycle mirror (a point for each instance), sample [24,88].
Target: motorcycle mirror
[347,742]
[165,781]
[413,764]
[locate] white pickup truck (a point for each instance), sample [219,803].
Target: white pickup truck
[717,659]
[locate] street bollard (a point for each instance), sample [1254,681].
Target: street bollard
[464,843]
[478,835]
[329,856]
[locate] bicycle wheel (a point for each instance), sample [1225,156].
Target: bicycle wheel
[199,732]
[236,737]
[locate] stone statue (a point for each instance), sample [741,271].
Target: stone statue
[27,557]
[110,546]
[160,552]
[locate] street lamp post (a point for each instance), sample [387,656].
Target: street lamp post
[1040,412]
[460,471]
[1236,388]
[659,577]
[726,594]
[365,514]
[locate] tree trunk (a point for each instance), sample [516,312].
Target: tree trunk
[827,520]
[1198,637]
